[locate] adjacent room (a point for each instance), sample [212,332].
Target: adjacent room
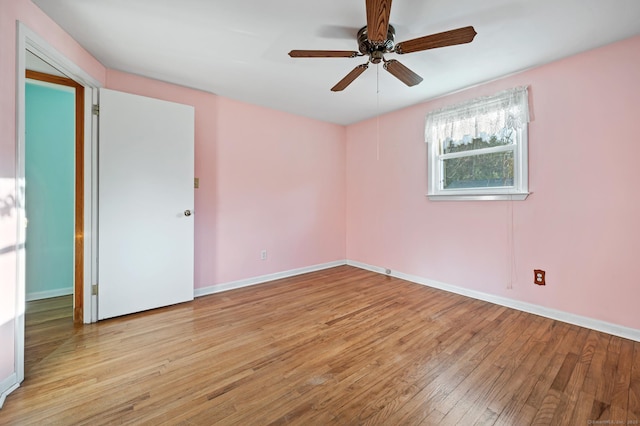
[364,212]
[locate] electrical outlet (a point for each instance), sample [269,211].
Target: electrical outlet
[538,277]
[263,254]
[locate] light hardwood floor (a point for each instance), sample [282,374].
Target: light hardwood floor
[49,323]
[341,346]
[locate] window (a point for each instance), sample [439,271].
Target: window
[478,149]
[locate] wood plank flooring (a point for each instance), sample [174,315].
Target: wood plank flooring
[49,323]
[341,346]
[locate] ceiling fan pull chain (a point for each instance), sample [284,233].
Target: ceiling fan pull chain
[378,112]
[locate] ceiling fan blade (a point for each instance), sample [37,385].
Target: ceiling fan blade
[402,73]
[378,20]
[323,54]
[348,79]
[447,38]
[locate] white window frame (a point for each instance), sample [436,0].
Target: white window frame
[520,188]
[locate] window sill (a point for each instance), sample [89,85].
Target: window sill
[519,196]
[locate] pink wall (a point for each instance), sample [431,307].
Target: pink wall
[281,187]
[26,12]
[268,180]
[580,223]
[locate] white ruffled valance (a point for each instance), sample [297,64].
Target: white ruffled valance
[480,117]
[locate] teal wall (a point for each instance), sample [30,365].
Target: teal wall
[49,193]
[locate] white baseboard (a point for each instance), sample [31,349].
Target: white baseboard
[9,385]
[37,295]
[605,327]
[204,291]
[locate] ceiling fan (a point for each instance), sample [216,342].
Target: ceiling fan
[378,38]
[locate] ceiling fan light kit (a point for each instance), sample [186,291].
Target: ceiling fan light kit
[377,38]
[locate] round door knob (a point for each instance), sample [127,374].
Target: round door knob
[187,212]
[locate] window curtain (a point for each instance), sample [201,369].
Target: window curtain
[479,117]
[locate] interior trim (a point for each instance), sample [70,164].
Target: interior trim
[26,39]
[204,291]
[39,295]
[10,385]
[581,321]
[78,251]
[514,196]
[591,323]
[29,40]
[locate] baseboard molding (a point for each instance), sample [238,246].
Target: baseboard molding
[605,327]
[9,384]
[37,295]
[204,291]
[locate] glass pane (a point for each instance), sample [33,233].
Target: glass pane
[479,171]
[505,136]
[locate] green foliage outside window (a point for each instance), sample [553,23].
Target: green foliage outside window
[481,170]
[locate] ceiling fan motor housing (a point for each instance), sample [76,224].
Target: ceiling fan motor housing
[376,50]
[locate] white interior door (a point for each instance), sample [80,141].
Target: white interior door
[145,200]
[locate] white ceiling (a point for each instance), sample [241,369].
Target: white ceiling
[238,48]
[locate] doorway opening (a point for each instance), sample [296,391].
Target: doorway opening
[54,204]
[57,199]
[29,41]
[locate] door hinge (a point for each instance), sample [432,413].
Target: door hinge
[94,290]
[95,109]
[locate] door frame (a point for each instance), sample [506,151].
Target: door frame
[29,40]
[78,252]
